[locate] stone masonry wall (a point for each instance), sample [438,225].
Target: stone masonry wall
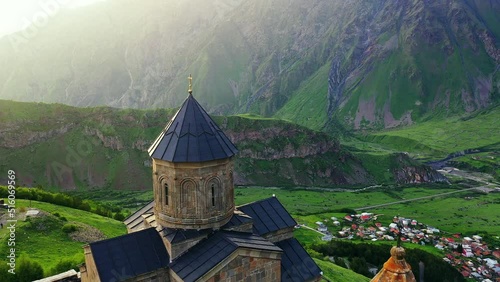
[249,269]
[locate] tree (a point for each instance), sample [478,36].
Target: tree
[63,265]
[359,265]
[340,262]
[28,270]
[119,216]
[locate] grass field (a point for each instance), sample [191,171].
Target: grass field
[437,138]
[333,272]
[128,200]
[457,214]
[451,213]
[305,202]
[488,162]
[44,241]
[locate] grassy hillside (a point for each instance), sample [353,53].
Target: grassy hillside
[439,138]
[308,106]
[335,273]
[44,240]
[436,139]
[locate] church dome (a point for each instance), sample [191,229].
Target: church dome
[192,136]
[395,269]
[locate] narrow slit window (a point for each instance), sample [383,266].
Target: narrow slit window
[213,195]
[166,194]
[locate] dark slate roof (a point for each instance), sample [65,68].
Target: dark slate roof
[268,215]
[237,219]
[192,136]
[135,220]
[179,235]
[129,255]
[296,264]
[210,252]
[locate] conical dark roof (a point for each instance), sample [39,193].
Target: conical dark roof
[192,136]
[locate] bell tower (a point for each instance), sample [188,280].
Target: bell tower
[192,170]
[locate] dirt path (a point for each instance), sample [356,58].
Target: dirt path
[415,199]
[307,227]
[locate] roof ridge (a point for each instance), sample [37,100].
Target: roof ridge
[258,201]
[224,235]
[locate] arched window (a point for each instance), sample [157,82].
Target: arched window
[188,196]
[166,193]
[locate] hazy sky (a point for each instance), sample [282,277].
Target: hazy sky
[14,14]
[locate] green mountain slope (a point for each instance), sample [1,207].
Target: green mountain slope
[474,140]
[368,64]
[53,145]
[436,139]
[61,146]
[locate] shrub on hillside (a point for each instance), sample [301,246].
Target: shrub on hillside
[64,265]
[69,227]
[347,211]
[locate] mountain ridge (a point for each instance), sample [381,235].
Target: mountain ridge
[357,64]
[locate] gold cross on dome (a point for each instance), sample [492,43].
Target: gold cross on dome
[190,89]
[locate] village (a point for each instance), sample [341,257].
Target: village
[471,256]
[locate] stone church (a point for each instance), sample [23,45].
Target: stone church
[192,230]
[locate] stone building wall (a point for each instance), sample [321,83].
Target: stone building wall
[249,269]
[200,195]
[176,249]
[280,235]
[158,275]
[88,271]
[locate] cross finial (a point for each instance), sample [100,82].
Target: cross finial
[400,229]
[190,89]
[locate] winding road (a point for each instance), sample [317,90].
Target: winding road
[459,173]
[416,199]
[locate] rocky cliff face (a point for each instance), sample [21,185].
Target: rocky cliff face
[112,142]
[410,172]
[14,137]
[291,155]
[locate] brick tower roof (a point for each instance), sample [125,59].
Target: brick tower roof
[192,136]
